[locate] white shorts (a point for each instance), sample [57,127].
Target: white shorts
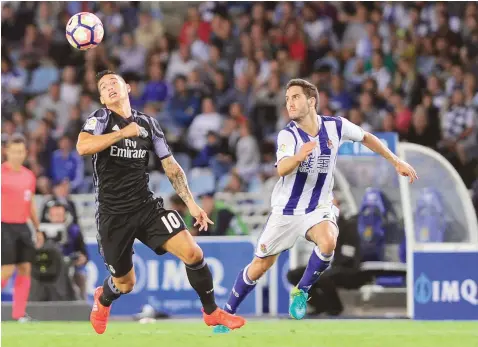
[281,232]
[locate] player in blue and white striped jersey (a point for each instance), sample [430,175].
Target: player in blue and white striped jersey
[302,198]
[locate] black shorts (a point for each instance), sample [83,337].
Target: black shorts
[17,244]
[152,225]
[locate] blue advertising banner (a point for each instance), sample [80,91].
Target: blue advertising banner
[161,281]
[356,148]
[445,285]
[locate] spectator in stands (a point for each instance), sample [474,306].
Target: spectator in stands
[459,128]
[61,195]
[69,89]
[247,153]
[149,31]
[88,105]
[156,90]
[340,98]
[369,111]
[183,106]
[131,55]
[401,113]
[67,164]
[241,93]
[73,246]
[434,88]
[208,152]
[470,90]
[180,63]
[325,107]
[235,184]
[223,161]
[136,94]
[221,91]
[208,120]
[46,145]
[112,19]
[421,131]
[194,21]
[50,101]
[356,117]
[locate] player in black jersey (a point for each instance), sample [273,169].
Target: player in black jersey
[120,138]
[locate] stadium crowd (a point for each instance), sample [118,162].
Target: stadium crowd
[213,74]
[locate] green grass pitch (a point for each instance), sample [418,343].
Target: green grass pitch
[260,333]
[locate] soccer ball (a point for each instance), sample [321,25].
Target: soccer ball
[84,31]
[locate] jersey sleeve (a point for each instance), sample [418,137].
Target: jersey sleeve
[351,132]
[96,122]
[286,144]
[160,145]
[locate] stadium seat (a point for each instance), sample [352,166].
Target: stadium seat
[372,219]
[201,181]
[430,217]
[184,161]
[255,184]
[223,182]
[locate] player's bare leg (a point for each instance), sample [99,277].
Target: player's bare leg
[7,273]
[185,248]
[245,282]
[112,289]
[324,235]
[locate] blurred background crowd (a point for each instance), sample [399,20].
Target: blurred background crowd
[213,74]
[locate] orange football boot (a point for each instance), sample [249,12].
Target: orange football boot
[221,317]
[99,313]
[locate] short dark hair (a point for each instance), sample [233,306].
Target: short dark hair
[16,138]
[309,89]
[103,73]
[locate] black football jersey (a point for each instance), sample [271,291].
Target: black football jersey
[120,171]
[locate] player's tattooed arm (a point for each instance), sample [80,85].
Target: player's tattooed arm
[178,179]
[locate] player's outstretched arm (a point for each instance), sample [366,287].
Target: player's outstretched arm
[179,181]
[403,168]
[89,144]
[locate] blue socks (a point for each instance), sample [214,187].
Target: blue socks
[242,287]
[318,263]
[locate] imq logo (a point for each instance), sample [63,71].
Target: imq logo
[426,291]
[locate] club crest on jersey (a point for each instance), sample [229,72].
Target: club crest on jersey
[263,248]
[91,123]
[143,132]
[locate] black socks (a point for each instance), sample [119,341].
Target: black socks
[110,292]
[200,278]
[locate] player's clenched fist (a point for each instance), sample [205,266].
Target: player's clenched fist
[131,130]
[306,149]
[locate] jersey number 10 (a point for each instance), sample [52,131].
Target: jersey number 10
[172,222]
